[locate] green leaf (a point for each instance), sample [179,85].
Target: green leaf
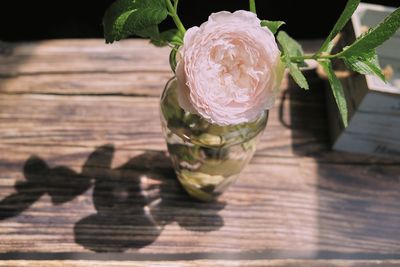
[374,37]
[290,49]
[329,47]
[297,75]
[293,48]
[348,11]
[337,90]
[173,37]
[151,32]
[365,64]
[273,26]
[129,17]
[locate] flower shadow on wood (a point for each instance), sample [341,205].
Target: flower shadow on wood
[60,183]
[133,202]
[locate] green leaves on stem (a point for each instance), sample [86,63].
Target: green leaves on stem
[360,56]
[173,12]
[370,40]
[348,11]
[364,63]
[128,17]
[273,26]
[337,90]
[327,46]
[125,18]
[291,48]
[142,17]
[171,37]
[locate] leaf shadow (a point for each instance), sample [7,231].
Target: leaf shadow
[133,202]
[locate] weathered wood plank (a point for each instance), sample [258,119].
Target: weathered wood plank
[126,83]
[51,120]
[75,56]
[130,67]
[286,198]
[57,195]
[222,263]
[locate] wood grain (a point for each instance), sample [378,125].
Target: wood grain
[89,67]
[255,263]
[75,56]
[83,169]
[139,83]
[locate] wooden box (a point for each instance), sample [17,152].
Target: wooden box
[374,107]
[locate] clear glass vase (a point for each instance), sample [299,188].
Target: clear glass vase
[207,157]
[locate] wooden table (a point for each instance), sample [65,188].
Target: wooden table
[85,179]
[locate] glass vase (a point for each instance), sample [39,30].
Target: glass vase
[207,158]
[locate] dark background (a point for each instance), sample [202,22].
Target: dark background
[34,20]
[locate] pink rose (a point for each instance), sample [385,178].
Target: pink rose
[230,68]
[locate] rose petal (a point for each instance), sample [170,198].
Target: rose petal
[230,69]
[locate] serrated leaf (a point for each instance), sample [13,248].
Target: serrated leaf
[329,47]
[348,11]
[293,48]
[273,26]
[374,37]
[290,49]
[297,75]
[133,17]
[365,64]
[337,90]
[114,17]
[173,37]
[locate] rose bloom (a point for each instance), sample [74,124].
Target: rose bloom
[230,69]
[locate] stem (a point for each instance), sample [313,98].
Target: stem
[253,6]
[174,15]
[176,2]
[312,56]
